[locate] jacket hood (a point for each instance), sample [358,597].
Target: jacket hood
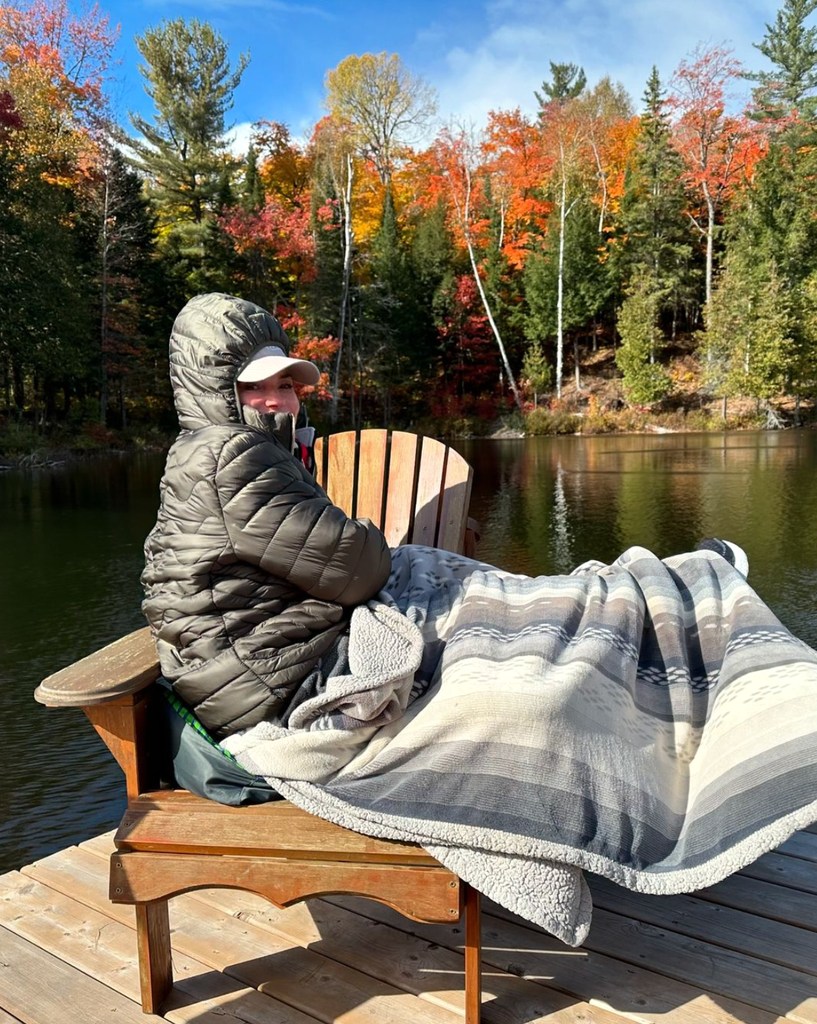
[212,338]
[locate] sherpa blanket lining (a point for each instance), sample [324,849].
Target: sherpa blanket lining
[649,720]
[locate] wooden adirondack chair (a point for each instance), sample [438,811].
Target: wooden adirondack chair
[170,841]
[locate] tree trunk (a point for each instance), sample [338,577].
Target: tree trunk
[710,243]
[467,232]
[18,386]
[103,302]
[560,285]
[49,400]
[348,238]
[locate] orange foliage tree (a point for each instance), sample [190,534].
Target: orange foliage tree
[719,149]
[517,166]
[54,64]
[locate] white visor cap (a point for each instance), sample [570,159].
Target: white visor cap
[270,360]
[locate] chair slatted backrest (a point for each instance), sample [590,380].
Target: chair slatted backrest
[416,489]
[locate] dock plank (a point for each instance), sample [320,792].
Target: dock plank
[792,872]
[802,845]
[33,983]
[742,952]
[260,959]
[105,949]
[723,972]
[601,980]
[431,967]
[420,965]
[764,899]
[782,944]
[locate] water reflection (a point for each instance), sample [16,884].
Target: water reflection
[72,545]
[71,540]
[548,504]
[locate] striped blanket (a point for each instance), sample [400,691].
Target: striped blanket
[649,720]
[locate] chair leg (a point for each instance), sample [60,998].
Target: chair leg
[155,964]
[473,955]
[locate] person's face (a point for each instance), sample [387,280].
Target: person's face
[275,394]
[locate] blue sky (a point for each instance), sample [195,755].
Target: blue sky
[478,54]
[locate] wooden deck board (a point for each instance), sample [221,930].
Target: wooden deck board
[742,952]
[735,929]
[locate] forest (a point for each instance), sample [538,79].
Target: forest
[603,264]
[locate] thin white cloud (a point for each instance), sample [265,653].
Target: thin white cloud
[605,37]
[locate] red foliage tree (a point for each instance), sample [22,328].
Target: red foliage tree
[719,149]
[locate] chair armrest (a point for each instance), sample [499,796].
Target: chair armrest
[123,668]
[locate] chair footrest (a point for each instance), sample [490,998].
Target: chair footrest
[430,894]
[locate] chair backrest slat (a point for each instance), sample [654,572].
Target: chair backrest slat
[416,489]
[429,485]
[341,470]
[373,455]
[400,488]
[456,499]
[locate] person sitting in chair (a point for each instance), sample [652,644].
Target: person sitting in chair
[251,573]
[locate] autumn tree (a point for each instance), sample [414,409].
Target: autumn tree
[457,153]
[515,164]
[183,147]
[606,114]
[719,149]
[383,103]
[285,167]
[52,66]
[269,224]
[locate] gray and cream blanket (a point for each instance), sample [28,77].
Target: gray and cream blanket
[649,720]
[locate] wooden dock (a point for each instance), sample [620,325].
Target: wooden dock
[743,952]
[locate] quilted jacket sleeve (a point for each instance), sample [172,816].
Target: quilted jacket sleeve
[279,519]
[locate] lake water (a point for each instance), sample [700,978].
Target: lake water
[72,552]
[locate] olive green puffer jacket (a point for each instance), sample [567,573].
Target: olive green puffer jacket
[250,571]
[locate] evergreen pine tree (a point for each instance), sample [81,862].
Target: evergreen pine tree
[252,190]
[645,380]
[567,82]
[654,238]
[182,150]
[791,48]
